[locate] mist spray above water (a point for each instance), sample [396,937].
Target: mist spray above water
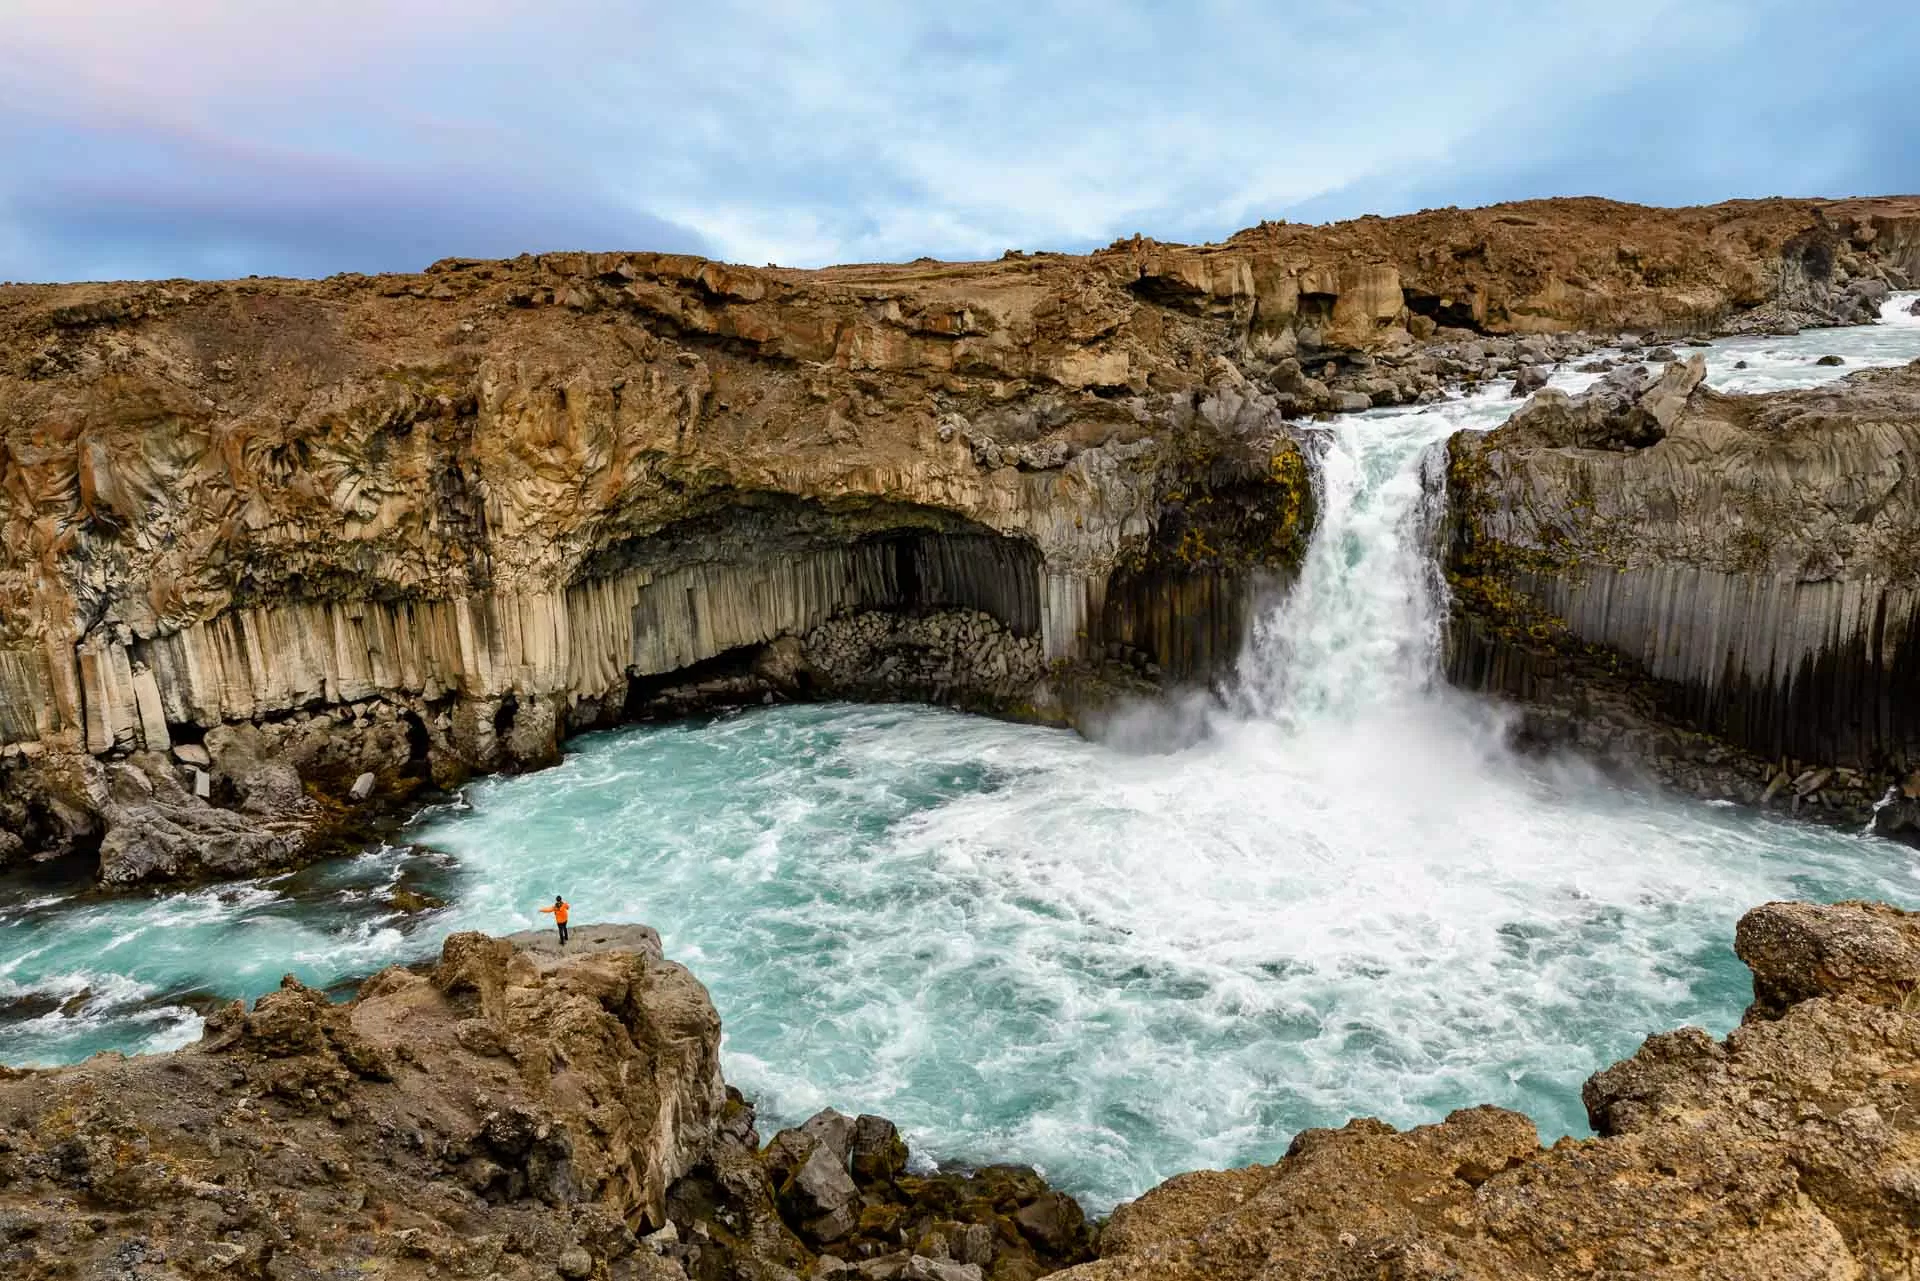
[1344,898]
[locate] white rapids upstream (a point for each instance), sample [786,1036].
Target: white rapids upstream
[1115,960]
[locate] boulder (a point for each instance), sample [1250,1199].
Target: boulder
[1054,1223]
[879,1154]
[1860,302]
[1831,360]
[833,1131]
[158,830]
[1798,951]
[1530,379]
[1622,410]
[820,1197]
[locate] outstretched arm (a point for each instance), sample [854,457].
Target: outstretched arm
[547,910]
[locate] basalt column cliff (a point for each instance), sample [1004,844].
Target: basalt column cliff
[1723,588]
[272,546]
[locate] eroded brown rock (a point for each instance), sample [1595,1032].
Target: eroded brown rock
[301,1137]
[1797,951]
[1785,1151]
[518,1110]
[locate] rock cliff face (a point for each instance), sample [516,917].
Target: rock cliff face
[515,1112]
[1740,567]
[384,530]
[1785,1151]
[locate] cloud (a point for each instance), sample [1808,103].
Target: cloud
[216,136]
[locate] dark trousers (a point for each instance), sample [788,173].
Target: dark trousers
[563,932]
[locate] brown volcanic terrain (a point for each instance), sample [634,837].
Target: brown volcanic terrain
[519,1113]
[269,544]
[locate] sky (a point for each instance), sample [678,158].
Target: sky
[214,138]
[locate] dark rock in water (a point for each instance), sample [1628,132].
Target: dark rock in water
[1739,364]
[1860,302]
[1596,367]
[1898,815]
[1831,360]
[413,902]
[879,1153]
[1913,308]
[1662,353]
[158,830]
[1530,379]
[32,1005]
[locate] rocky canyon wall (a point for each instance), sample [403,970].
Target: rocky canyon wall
[375,531]
[1743,566]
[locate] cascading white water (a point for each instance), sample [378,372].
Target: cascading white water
[1362,625]
[1343,899]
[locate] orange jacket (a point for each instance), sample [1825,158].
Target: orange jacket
[559,911]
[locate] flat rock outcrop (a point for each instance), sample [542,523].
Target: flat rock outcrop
[515,1111]
[1722,588]
[1785,1151]
[418,526]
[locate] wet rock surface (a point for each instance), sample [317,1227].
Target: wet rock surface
[1785,1151]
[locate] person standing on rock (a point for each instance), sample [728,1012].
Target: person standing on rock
[559,910]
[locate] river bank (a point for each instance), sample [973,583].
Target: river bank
[516,1111]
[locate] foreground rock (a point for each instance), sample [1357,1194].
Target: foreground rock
[516,1112]
[1786,1151]
[1719,590]
[412,527]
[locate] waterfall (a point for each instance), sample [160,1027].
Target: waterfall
[1362,626]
